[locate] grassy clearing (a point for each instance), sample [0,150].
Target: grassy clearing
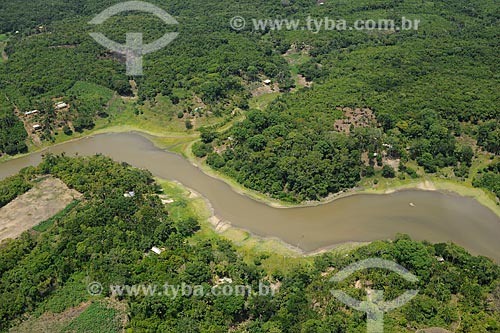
[160,119]
[295,59]
[261,102]
[83,90]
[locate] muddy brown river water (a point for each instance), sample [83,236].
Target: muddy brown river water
[436,216]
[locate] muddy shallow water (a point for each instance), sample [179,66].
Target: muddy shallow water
[436,216]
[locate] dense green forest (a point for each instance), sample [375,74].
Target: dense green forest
[432,91]
[105,236]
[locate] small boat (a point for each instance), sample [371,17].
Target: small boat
[412,204]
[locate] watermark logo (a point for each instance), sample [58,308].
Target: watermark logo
[224,287]
[316,25]
[134,49]
[374,306]
[94,288]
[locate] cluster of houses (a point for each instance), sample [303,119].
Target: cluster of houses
[57,106]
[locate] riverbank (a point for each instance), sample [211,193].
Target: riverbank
[435,217]
[383,186]
[429,183]
[273,253]
[181,143]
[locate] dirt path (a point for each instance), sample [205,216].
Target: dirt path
[43,201]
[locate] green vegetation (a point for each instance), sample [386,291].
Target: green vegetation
[12,132]
[304,166]
[489,178]
[201,74]
[96,318]
[106,236]
[3,42]
[429,91]
[377,108]
[12,187]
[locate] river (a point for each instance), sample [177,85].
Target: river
[436,216]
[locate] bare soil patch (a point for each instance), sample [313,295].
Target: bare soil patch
[265,89]
[357,118]
[43,201]
[51,322]
[302,82]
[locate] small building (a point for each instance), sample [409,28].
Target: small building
[37,127]
[28,113]
[165,199]
[156,250]
[129,194]
[60,105]
[224,280]
[268,82]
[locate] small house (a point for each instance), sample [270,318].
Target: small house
[37,127]
[60,105]
[165,199]
[156,250]
[224,280]
[268,82]
[28,113]
[129,194]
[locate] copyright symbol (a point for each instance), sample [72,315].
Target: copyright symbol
[94,288]
[238,23]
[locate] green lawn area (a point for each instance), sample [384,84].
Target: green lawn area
[295,59]
[159,119]
[261,102]
[84,90]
